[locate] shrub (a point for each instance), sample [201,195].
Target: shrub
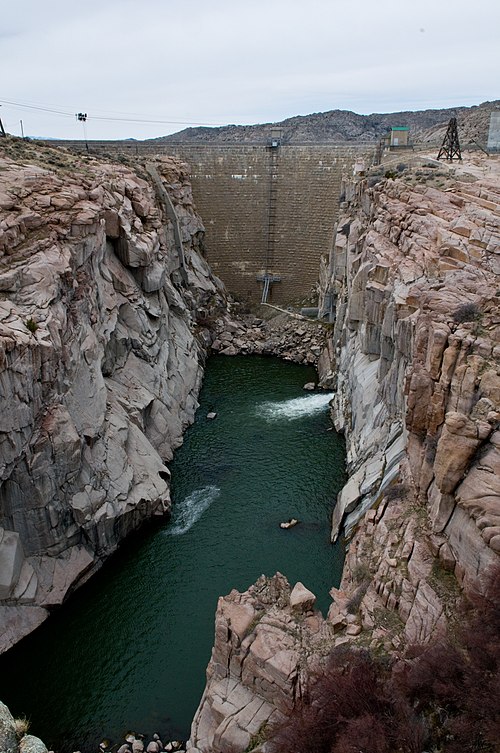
[442,697]
[361,573]
[431,444]
[349,709]
[467,312]
[396,491]
[22,726]
[354,602]
[31,325]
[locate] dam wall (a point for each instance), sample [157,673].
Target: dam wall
[267,210]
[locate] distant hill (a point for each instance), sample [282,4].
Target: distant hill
[344,125]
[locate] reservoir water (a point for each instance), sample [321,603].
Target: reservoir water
[129,650]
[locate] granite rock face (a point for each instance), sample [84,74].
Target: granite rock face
[103,291]
[415,352]
[414,278]
[267,642]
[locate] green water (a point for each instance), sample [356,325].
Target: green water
[129,649]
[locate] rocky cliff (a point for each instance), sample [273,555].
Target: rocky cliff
[412,289]
[415,273]
[104,294]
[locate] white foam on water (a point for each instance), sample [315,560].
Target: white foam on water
[190,510]
[298,407]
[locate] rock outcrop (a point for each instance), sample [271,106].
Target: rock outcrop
[14,737]
[267,642]
[103,296]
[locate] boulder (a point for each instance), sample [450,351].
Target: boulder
[459,441]
[31,744]
[301,599]
[8,738]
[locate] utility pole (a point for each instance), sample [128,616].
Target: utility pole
[82,116]
[451,146]
[22,129]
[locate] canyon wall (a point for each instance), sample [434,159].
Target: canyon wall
[104,300]
[412,288]
[415,272]
[104,293]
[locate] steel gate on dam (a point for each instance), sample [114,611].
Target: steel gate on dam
[269,210]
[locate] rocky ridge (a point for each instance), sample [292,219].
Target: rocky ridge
[347,126]
[267,641]
[103,295]
[413,357]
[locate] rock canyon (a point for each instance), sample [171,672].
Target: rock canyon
[413,358]
[107,311]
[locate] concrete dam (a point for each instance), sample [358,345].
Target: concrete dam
[269,210]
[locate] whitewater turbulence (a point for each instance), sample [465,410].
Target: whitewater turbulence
[190,510]
[296,408]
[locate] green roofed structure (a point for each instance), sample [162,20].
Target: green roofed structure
[399,135]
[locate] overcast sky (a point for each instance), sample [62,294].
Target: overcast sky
[214,62]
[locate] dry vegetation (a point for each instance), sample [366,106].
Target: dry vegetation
[441,698]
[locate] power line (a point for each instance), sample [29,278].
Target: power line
[53,111]
[36,107]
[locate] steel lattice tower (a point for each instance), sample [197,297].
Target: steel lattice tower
[451,146]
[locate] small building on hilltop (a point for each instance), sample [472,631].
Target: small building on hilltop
[399,136]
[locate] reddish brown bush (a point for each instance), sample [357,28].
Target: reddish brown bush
[351,708]
[443,697]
